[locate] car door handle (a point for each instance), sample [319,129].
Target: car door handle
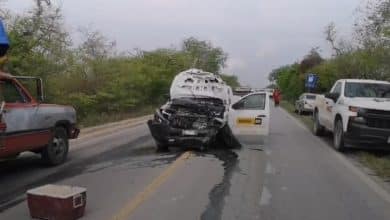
[261,116]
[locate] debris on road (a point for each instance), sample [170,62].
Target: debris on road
[57,202]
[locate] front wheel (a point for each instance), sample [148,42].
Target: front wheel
[162,147]
[300,112]
[338,136]
[318,129]
[56,151]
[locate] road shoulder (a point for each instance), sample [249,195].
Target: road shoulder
[379,185]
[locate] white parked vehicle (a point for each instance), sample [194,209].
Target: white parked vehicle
[305,103]
[356,111]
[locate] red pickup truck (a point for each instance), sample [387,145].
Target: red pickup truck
[26,124]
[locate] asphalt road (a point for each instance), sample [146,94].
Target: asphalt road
[289,175]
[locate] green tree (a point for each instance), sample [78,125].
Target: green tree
[204,55]
[231,80]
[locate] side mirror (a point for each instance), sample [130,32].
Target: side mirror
[333,96]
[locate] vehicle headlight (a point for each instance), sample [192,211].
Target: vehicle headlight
[354,109]
[157,118]
[357,109]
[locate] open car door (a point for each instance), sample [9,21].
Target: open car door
[249,118]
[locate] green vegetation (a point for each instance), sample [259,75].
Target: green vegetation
[380,163]
[94,77]
[365,56]
[306,119]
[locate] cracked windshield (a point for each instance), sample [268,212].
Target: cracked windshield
[184,109]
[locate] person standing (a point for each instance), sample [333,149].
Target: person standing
[277,96]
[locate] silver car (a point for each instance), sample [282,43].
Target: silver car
[305,103]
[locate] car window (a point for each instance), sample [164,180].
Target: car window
[337,88]
[373,90]
[255,101]
[310,97]
[10,93]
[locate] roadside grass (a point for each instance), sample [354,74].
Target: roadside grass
[380,163]
[377,161]
[305,118]
[103,118]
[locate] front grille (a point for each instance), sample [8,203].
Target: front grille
[377,118]
[378,123]
[378,112]
[182,122]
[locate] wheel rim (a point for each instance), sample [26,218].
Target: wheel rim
[58,147]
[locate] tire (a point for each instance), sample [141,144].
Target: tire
[338,136]
[56,152]
[318,129]
[162,147]
[300,111]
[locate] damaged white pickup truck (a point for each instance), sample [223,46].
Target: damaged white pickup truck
[199,112]
[195,112]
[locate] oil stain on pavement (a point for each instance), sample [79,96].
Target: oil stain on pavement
[217,194]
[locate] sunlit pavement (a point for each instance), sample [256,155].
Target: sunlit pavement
[290,175]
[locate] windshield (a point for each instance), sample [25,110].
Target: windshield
[367,90]
[311,97]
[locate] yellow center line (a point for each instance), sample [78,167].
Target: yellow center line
[141,197]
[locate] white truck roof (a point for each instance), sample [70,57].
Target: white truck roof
[364,81]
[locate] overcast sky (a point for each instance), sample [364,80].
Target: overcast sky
[258,35]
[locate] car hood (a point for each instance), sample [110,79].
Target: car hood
[370,103]
[196,83]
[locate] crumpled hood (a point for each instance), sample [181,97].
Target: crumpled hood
[197,83]
[370,103]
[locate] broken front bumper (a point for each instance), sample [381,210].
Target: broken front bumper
[74,132]
[166,135]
